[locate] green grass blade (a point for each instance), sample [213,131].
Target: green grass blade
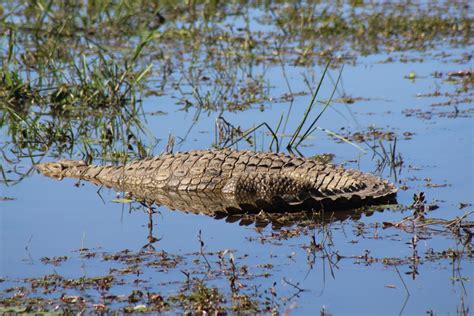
[310,128]
[308,109]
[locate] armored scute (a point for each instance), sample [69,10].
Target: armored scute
[234,181]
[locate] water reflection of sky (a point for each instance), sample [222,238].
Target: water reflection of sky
[51,218]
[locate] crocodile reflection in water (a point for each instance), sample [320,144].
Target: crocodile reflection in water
[245,212]
[222,208]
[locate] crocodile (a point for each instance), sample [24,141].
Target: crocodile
[233,181]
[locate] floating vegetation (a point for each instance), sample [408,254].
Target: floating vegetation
[112,80]
[90,62]
[375,133]
[127,286]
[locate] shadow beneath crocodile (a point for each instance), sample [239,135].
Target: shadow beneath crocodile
[248,210]
[302,218]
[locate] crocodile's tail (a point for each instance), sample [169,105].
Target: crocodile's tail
[285,191]
[76,169]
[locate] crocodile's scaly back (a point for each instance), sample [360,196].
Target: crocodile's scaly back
[240,175]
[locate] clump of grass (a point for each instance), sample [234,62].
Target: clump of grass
[72,75]
[58,98]
[228,135]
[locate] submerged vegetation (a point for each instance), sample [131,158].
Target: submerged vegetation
[85,78]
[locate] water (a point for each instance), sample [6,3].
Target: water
[346,275]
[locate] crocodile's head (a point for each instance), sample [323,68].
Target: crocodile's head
[59,169]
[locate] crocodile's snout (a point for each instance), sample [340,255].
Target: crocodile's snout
[56,169]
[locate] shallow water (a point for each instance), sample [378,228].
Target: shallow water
[51,218]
